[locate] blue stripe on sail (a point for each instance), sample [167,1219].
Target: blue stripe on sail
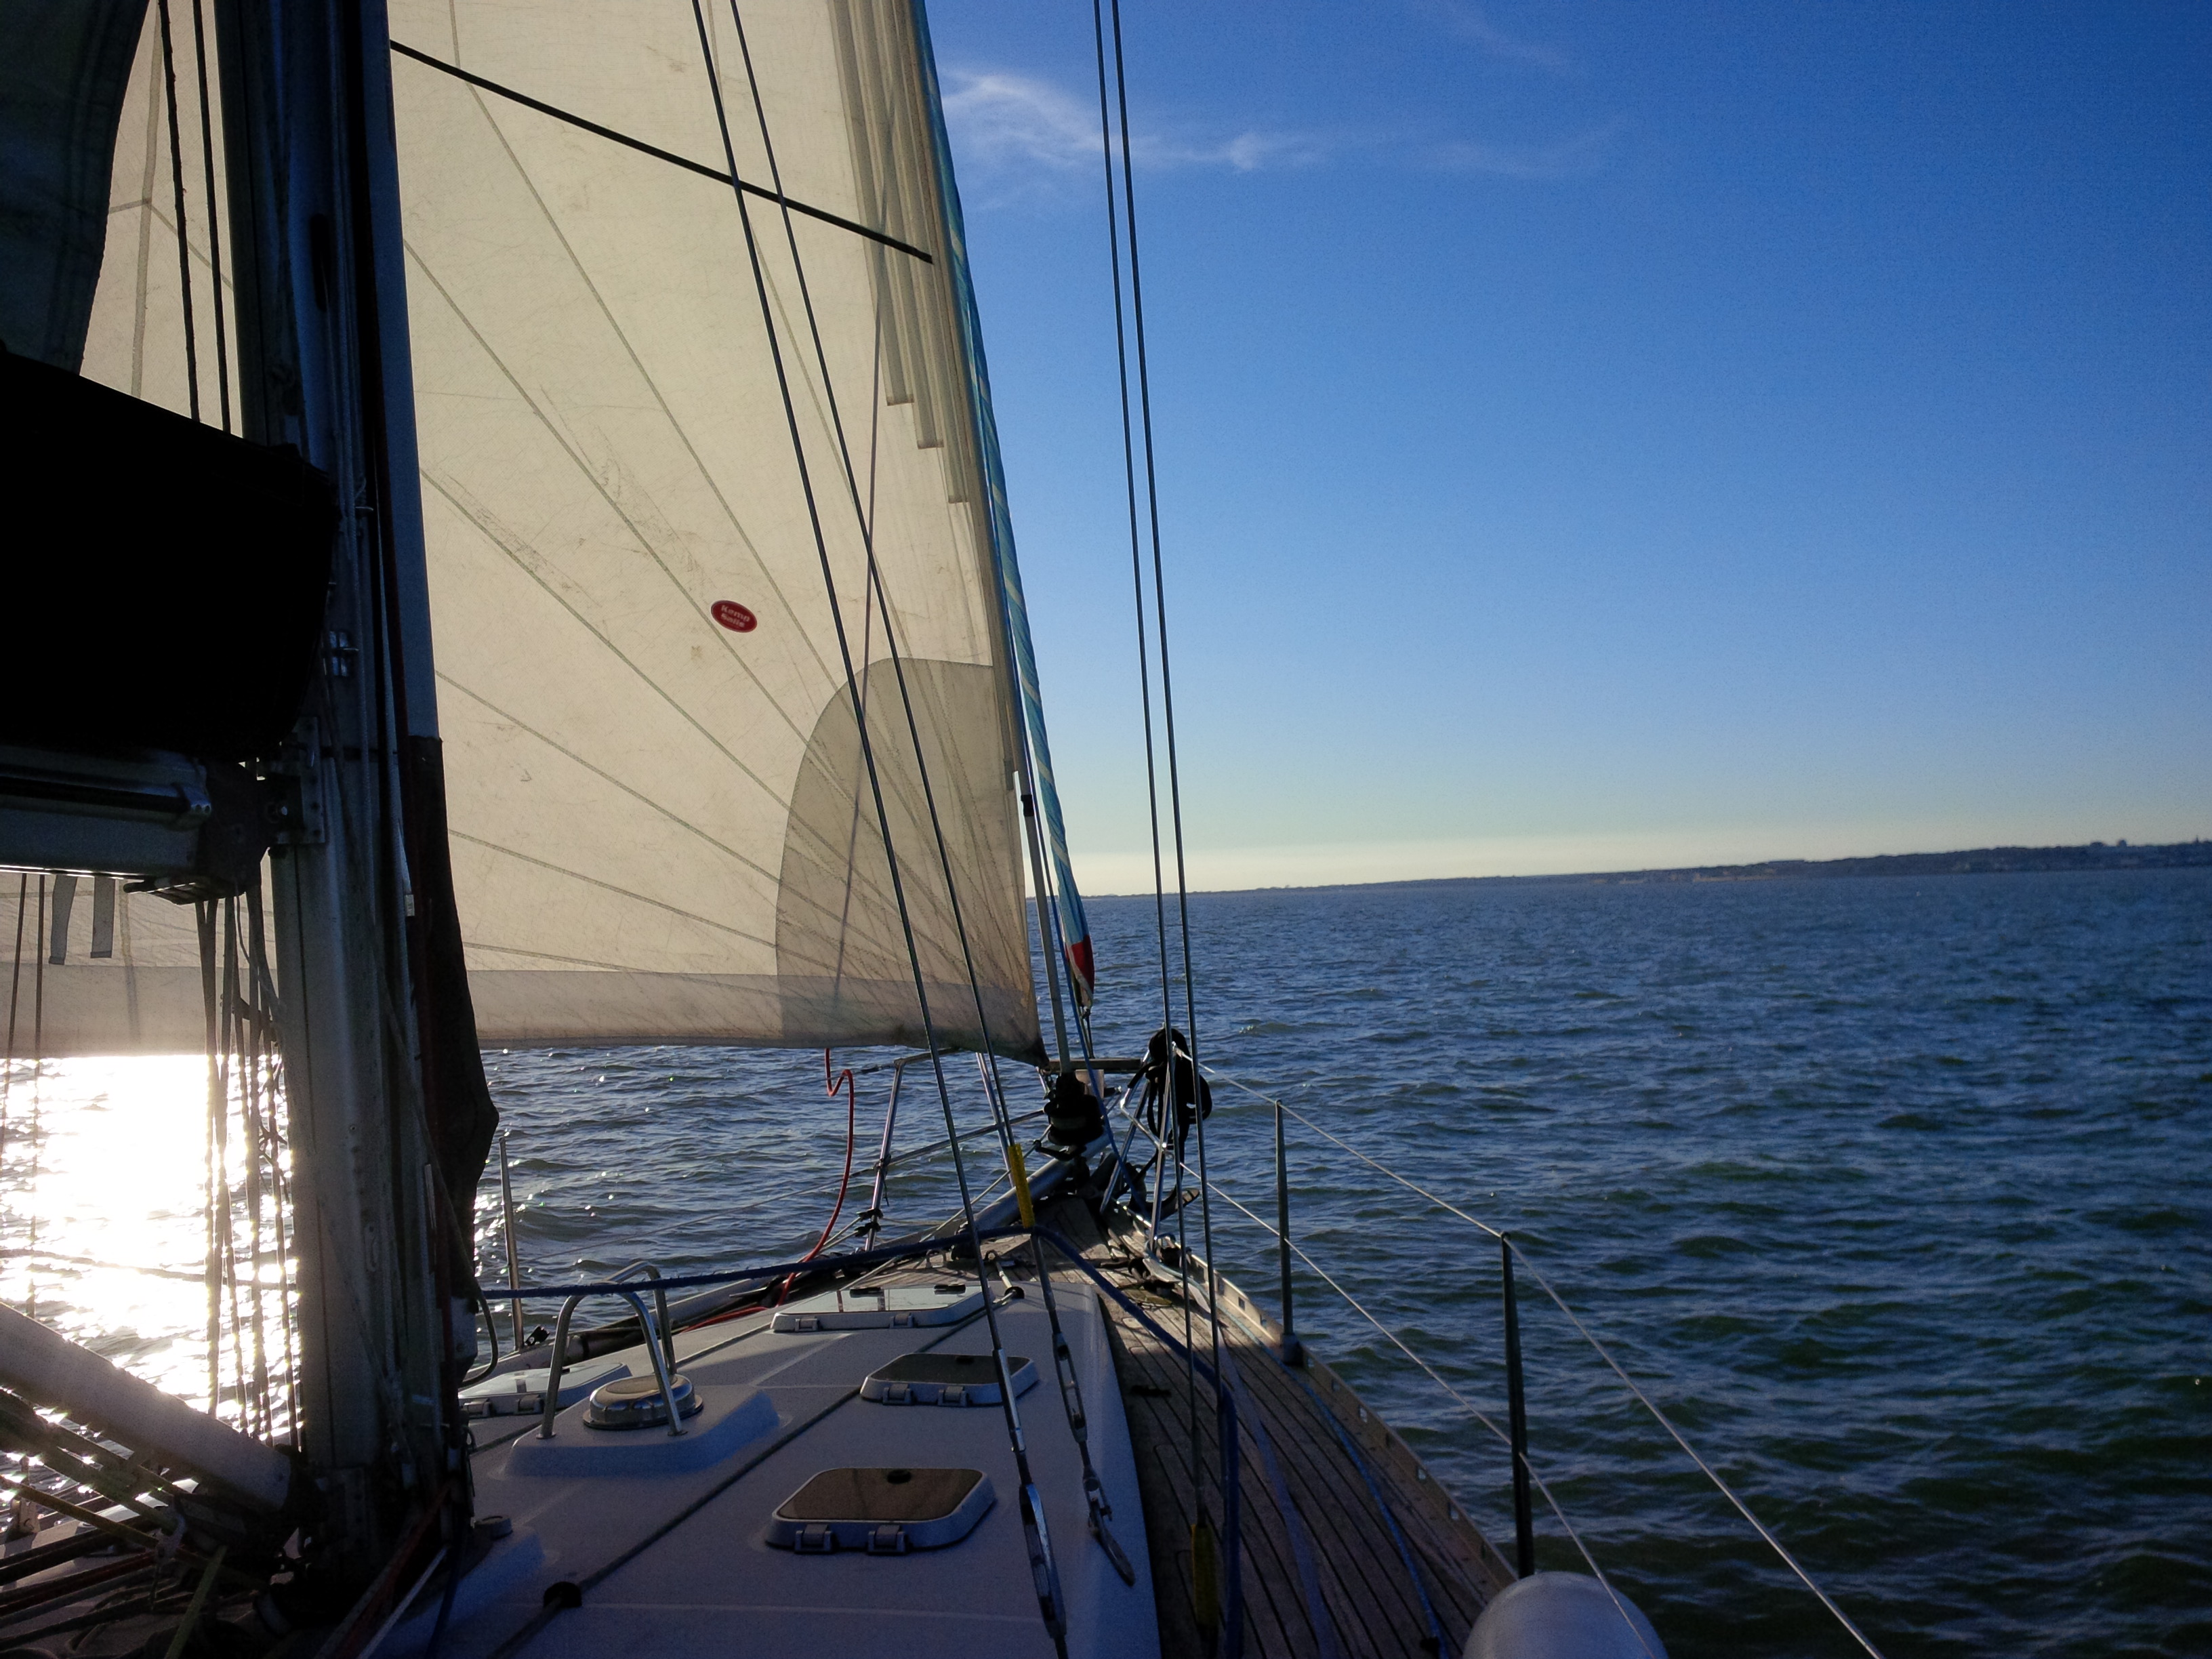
[1075,931]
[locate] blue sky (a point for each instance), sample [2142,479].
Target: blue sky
[1599,436]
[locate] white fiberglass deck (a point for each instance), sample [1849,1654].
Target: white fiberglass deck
[710,1585]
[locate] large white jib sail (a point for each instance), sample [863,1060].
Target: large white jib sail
[664,824]
[653,472]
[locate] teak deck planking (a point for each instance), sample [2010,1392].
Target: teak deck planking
[1369,1597]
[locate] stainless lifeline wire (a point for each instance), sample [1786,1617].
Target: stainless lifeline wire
[1466,1404]
[1271,1100]
[1725,1490]
[1664,1421]
[986,1060]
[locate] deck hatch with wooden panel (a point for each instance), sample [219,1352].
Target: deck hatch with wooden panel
[881,1512]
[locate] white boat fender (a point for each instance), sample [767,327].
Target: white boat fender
[1562,1615]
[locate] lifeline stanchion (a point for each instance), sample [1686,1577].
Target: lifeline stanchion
[1465,1405]
[507,1222]
[1293,1353]
[1517,1407]
[1597,1347]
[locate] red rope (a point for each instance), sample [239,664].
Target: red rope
[830,1085]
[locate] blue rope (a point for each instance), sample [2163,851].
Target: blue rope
[1404,1553]
[1294,1522]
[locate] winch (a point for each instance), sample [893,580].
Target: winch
[636,1402]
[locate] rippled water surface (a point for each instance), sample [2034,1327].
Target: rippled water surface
[1893,1189]
[1892,1192]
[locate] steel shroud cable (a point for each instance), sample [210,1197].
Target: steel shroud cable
[987,1060]
[994,1088]
[1044,1572]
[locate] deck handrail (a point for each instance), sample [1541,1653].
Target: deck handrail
[660,1343]
[1225,1407]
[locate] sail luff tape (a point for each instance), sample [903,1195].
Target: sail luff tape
[103,917]
[49,1370]
[65,900]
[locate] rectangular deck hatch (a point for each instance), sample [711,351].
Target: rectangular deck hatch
[881,1512]
[945,1379]
[862,1308]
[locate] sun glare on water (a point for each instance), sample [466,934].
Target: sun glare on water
[104,1211]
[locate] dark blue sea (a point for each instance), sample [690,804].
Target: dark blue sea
[1892,1192]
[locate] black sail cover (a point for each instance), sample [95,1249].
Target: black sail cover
[208,558]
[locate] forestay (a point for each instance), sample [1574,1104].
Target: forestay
[663,825]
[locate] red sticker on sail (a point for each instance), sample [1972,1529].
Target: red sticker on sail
[734,616]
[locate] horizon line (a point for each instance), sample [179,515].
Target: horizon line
[1775,866]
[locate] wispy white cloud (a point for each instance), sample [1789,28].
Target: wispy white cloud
[1574,157]
[1021,133]
[1001,120]
[1010,121]
[1249,151]
[1470,23]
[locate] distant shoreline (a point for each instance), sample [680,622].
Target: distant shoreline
[1976,861]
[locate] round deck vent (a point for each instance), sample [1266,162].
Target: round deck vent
[635,1402]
